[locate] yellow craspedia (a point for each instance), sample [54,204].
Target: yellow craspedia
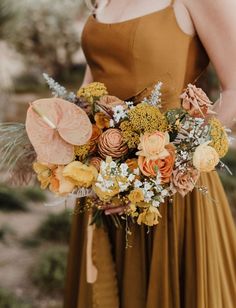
[219,138]
[92,91]
[146,118]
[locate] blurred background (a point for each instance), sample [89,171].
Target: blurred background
[36,37]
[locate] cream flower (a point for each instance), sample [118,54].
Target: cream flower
[152,145]
[205,158]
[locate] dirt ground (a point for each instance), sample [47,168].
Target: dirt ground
[16,260]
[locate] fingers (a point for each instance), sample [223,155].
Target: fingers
[116,210]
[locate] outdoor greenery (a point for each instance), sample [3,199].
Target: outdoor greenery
[49,272]
[16,199]
[46,33]
[55,228]
[9,300]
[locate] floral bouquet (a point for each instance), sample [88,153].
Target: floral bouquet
[119,153]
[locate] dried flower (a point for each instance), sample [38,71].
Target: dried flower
[219,138]
[96,162]
[196,102]
[146,118]
[92,92]
[111,143]
[129,135]
[149,216]
[185,180]
[108,102]
[102,120]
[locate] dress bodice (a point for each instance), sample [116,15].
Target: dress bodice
[129,57]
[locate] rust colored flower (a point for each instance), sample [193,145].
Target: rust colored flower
[96,162]
[132,164]
[96,133]
[196,102]
[111,143]
[107,102]
[102,120]
[164,166]
[185,180]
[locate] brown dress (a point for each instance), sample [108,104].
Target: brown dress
[188,260]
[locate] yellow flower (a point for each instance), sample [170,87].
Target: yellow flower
[205,158]
[136,195]
[59,184]
[219,139]
[146,118]
[129,135]
[81,174]
[82,151]
[152,145]
[149,216]
[102,120]
[92,92]
[44,173]
[108,194]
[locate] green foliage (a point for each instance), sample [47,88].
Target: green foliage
[5,16]
[11,200]
[9,300]
[15,199]
[46,33]
[56,227]
[49,273]
[5,230]
[33,193]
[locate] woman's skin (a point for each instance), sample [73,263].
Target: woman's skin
[214,21]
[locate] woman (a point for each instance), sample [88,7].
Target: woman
[187,260]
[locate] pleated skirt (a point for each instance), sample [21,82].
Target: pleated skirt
[187,260]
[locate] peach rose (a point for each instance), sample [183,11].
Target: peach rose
[196,102]
[60,184]
[205,158]
[164,165]
[185,180]
[152,145]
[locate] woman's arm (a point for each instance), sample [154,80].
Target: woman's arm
[215,23]
[88,78]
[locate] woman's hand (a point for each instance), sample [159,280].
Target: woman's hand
[110,209]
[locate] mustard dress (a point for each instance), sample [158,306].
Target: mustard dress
[188,260]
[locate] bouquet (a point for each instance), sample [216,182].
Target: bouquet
[119,153]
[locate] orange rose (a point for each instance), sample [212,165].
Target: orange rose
[102,120]
[152,145]
[164,165]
